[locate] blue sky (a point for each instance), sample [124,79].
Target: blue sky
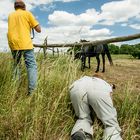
[65,21]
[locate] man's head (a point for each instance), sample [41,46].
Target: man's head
[113,86]
[19,4]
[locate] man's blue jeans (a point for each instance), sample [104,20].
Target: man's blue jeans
[31,66]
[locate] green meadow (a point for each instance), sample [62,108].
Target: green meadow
[48,113]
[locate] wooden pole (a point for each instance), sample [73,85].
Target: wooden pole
[53,51]
[106,41]
[45,48]
[57,51]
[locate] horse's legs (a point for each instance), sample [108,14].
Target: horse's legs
[103,59]
[98,62]
[83,61]
[89,62]
[108,54]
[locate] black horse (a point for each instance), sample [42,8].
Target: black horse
[93,51]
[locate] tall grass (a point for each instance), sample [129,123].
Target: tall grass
[48,114]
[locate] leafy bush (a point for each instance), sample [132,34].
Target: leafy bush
[133,50]
[126,49]
[114,49]
[136,53]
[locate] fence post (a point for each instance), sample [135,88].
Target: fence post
[45,48]
[53,51]
[58,51]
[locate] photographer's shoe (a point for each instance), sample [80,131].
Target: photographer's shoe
[79,135]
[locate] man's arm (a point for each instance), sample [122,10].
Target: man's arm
[33,22]
[38,28]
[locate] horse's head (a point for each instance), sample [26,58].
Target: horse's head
[77,55]
[83,40]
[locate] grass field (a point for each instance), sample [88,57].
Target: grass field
[48,114]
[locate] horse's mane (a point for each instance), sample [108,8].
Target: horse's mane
[83,40]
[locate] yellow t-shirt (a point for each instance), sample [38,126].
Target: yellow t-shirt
[20,23]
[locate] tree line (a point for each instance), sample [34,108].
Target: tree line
[133,50]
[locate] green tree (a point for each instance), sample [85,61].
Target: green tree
[114,49]
[126,49]
[136,51]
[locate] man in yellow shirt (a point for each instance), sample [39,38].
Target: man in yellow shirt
[20,24]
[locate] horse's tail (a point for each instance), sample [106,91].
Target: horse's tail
[107,52]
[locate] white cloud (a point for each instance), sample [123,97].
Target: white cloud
[111,13]
[119,11]
[90,17]
[67,0]
[3,24]
[47,7]
[63,18]
[3,36]
[72,34]
[135,26]
[32,3]
[6,7]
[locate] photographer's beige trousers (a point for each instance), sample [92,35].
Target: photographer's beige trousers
[96,93]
